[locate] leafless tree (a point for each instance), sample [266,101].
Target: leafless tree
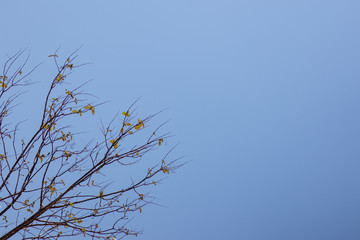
[52,188]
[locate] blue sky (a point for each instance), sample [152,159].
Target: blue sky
[262,95]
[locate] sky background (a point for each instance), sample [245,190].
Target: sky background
[263,97]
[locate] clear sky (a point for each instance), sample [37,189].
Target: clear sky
[262,95]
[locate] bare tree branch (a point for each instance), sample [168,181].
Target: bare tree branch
[51,188]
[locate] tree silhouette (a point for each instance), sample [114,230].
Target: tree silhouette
[51,187]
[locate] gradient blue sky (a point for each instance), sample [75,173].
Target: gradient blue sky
[263,96]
